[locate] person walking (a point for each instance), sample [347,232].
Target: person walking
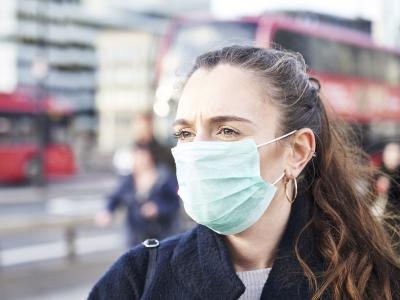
[391,167]
[271,179]
[149,194]
[144,134]
[390,183]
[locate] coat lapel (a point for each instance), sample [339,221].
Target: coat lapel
[202,264]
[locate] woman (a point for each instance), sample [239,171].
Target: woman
[275,185]
[149,194]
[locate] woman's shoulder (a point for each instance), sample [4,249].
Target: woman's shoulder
[126,277]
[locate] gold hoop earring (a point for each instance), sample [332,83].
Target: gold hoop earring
[295,190]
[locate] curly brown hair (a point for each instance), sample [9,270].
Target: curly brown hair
[358,251]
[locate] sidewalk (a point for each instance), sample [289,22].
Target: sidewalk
[81,183]
[55,279]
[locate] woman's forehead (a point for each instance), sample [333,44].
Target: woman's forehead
[224,90]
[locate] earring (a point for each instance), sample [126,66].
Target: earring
[287,180]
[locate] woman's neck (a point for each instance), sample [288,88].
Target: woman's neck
[255,248]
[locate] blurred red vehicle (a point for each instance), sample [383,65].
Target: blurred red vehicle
[360,80]
[21,116]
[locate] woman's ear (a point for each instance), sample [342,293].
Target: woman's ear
[303,149]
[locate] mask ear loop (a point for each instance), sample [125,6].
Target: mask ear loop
[277,139]
[279,179]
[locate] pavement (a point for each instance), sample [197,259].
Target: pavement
[34,264]
[55,278]
[82,184]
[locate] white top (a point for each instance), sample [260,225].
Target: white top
[254,282]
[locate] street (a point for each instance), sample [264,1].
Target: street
[35,264]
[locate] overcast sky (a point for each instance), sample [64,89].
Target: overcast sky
[368,9]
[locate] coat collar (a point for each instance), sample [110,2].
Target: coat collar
[201,262]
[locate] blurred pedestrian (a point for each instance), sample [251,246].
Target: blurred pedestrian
[149,195]
[144,134]
[391,167]
[271,178]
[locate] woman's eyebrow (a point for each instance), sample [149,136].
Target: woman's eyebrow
[228,118]
[214,120]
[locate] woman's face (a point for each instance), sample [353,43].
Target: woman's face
[229,104]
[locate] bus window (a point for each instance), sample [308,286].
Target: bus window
[345,59]
[325,55]
[295,42]
[393,70]
[328,56]
[16,129]
[26,130]
[5,129]
[191,40]
[363,62]
[58,132]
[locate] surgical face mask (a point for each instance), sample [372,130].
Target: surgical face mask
[220,183]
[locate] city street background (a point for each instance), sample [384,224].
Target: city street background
[80,80]
[33,263]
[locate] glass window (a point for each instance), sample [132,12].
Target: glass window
[345,59]
[327,56]
[393,70]
[58,128]
[191,40]
[363,63]
[16,128]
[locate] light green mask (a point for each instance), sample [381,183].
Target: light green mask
[220,183]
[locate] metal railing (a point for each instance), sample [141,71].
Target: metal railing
[69,225]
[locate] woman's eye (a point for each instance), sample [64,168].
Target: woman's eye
[228,132]
[182,135]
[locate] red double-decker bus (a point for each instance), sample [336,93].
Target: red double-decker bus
[360,80]
[32,128]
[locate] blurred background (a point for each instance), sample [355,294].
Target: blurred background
[88,91]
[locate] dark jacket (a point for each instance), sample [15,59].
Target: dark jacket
[394,188]
[197,265]
[163,194]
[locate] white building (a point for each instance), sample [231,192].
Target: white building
[57,34]
[57,38]
[386,29]
[126,66]
[53,43]
[126,77]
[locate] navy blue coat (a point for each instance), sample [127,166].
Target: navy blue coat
[163,194]
[197,265]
